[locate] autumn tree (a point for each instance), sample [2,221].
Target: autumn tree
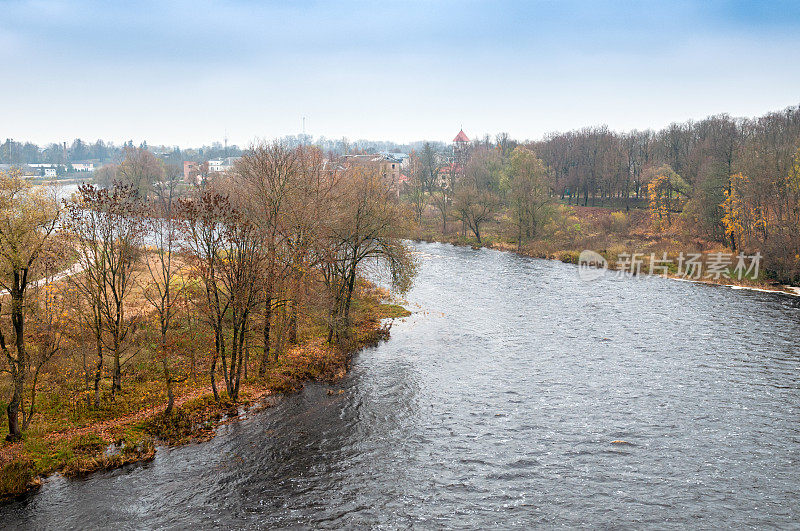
[108,232]
[666,191]
[476,200]
[139,170]
[269,174]
[28,219]
[528,192]
[223,249]
[362,229]
[417,190]
[160,286]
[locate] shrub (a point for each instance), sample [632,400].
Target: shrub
[15,477]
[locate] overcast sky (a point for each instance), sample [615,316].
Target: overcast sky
[185,73]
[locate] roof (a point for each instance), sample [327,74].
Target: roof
[461,137]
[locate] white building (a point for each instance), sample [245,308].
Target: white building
[83,166]
[221,165]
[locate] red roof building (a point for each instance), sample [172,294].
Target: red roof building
[461,137]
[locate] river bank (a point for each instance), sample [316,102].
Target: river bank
[77,443]
[614,235]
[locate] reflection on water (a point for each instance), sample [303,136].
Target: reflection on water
[496,405]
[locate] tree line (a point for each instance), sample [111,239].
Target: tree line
[726,180]
[18,153]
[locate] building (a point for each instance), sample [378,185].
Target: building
[460,149]
[387,165]
[221,165]
[83,166]
[455,163]
[191,170]
[402,158]
[215,166]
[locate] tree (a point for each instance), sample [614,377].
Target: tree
[429,168]
[161,289]
[108,231]
[268,172]
[140,170]
[363,228]
[528,192]
[416,191]
[28,219]
[666,192]
[475,199]
[223,248]
[106,175]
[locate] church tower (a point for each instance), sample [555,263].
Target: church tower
[460,151]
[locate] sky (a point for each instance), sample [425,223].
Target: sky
[190,73]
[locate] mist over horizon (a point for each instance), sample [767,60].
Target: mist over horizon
[360,143]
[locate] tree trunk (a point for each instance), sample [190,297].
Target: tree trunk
[293,322]
[167,377]
[98,373]
[14,431]
[18,366]
[116,384]
[262,370]
[212,372]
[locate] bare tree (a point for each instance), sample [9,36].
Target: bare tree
[475,199]
[268,173]
[223,248]
[363,229]
[161,289]
[108,232]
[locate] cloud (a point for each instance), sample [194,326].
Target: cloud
[185,71]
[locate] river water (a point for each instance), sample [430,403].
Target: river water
[496,404]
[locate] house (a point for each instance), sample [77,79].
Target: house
[388,166]
[216,166]
[190,170]
[402,158]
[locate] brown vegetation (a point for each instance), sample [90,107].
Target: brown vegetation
[172,288]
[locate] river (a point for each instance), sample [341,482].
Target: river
[497,404]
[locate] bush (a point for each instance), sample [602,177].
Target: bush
[619,222]
[15,477]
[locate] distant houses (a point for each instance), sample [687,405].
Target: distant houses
[388,164]
[51,170]
[197,171]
